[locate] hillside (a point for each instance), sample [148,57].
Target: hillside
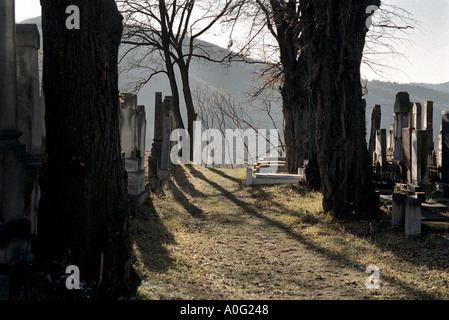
[384,93]
[237,79]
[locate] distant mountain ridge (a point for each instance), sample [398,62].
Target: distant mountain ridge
[237,79]
[384,94]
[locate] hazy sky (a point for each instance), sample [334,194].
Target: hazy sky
[426,54]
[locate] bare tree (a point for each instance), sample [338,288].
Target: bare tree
[217,109]
[320,50]
[169,30]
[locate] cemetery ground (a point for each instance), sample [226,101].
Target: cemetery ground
[206,235]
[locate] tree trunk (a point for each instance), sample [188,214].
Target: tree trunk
[337,36]
[165,38]
[294,105]
[191,114]
[83,215]
[297,110]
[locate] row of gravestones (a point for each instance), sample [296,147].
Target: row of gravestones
[21,143]
[410,144]
[133,126]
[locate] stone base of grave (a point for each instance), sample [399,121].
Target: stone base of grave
[134,165]
[413,214]
[271,178]
[137,187]
[140,198]
[163,174]
[136,182]
[272,170]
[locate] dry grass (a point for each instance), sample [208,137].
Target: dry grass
[205,235]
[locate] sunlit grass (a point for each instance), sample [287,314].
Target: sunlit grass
[209,236]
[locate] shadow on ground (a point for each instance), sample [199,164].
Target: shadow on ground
[410,290]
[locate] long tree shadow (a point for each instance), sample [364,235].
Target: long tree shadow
[258,192]
[182,180]
[330,255]
[150,236]
[224,175]
[180,185]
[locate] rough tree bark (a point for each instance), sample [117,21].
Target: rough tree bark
[83,218]
[295,57]
[335,30]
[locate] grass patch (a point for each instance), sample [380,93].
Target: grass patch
[206,235]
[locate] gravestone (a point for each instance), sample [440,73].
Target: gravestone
[413,212]
[381,147]
[29,114]
[417,116]
[398,209]
[141,131]
[440,146]
[165,153]
[375,125]
[401,120]
[407,155]
[15,229]
[132,136]
[428,126]
[128,114]
[445,147]
[390,143]
[419,157]
[158,127]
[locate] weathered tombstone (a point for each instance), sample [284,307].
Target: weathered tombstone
[28,97]
[15,229]
[29,114]
[141,131]
[132,135]
[401,121]
[419,157]
[381,147]
[407,155]
[440,146]
[428,126]
[398,209]
[375,125]
[166,145]
[167,127]
[128,115]
[158,127]
[413,211]
[445,147]
[390,144]
[417,116]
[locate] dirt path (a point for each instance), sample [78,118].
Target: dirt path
[210,237]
